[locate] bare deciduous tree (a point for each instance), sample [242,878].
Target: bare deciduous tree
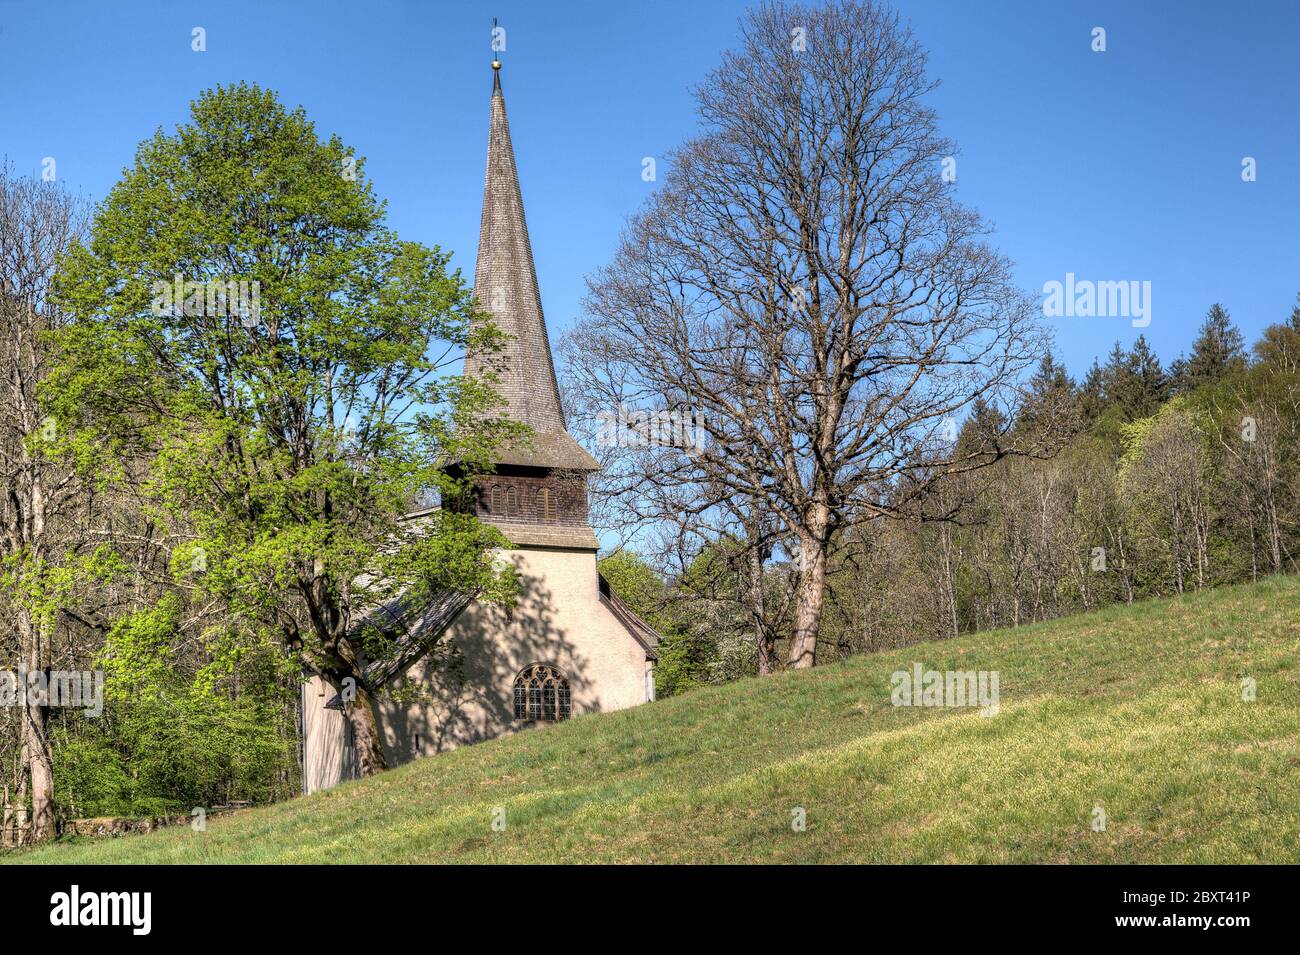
[38,222]
[805,286]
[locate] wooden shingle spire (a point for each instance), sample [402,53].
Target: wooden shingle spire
[505,284]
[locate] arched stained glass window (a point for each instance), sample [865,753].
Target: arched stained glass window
[542,694]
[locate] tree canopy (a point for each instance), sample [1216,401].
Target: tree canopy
[270,365]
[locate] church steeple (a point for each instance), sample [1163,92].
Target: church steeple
[505,284]
[538,493]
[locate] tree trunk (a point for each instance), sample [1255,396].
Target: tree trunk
[366,738]
[343,669]
[40,766]
[758,612]
[764,652]
[1274,532]
[36,739]
[949,579]
[358,708]
[809,602]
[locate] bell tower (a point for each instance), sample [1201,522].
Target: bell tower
[538,495]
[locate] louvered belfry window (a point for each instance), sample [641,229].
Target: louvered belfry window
[541,694]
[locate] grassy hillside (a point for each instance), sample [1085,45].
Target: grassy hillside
[1136,709]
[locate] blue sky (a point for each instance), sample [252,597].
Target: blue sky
[1117,165]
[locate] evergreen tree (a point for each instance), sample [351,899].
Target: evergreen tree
[1217,352]
[1178,374]
[983,430]
[1051,399]
[1133,382]
[1050,377]
[1092,401]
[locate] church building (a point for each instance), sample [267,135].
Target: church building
[460,670]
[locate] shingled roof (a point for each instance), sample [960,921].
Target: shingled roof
[505,284]
[413,627]
[641,631]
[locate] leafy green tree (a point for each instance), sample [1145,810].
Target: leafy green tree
[1166,476]
[172,738]
[700,616]
[683,660]
[1279,344]
[639,586]
[269,364]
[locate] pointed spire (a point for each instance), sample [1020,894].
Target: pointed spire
[505,284]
